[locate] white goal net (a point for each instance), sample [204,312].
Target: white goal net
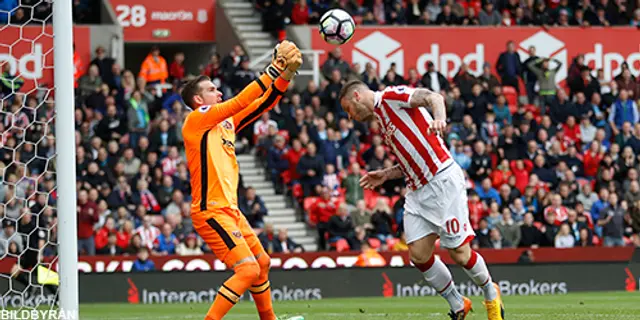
[30,108]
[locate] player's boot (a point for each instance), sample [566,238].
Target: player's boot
[495,308]
[462,314]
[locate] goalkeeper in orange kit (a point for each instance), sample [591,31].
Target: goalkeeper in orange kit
[209,133]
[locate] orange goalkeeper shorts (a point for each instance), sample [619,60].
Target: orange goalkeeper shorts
[228,234]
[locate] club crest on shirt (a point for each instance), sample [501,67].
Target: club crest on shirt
[237,234]
[227,125]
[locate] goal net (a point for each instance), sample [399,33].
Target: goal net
[34,205]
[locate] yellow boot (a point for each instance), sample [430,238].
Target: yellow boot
[495,308]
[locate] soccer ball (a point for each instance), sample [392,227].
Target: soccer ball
[337,27]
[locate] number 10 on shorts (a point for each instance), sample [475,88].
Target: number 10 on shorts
[453,226]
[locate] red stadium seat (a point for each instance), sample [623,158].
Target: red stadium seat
[391,242]
[375,243]
[394,199]
[595,240]
[285,135]
[511,95]
[342,245]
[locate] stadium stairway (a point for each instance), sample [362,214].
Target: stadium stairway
[280,213]
[248,24]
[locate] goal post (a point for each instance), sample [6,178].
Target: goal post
[38,215]
[63,70]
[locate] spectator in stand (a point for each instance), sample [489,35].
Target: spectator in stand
[564,238]
[102,235]
[480,163]
[489,16]
[177,68]
[496,241]
[592,159]
[276,162]
[351,183]
[530,234]
[508,66]
[340,226]
[300,12]
[138,115]
[477,106]
[319,215]
[361,216]
[148,232]
[88,215]
[587,197]
[311,169]
[632,195]
[111,248]
[166,242]
[335,62]
[242,76]
[446,17]
[557,210]
[253,208]
[612,221]
[90,82]
[482,235]
[623,110]
[143,263]
[284,244]
[382,221]
[546,79]
[125,233]
[154,68]
[434,80]
[575,226]
[189,247]
[143,196]
[486,192]
[509,229]
[104,64]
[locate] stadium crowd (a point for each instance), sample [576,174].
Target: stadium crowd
[280,13]
[546,167]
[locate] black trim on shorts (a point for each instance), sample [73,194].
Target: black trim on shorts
[204,171]
[222,233]
[260,285]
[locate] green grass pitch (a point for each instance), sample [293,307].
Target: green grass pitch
[574,306]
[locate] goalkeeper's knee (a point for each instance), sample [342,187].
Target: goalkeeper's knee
[248,272]
[264,261]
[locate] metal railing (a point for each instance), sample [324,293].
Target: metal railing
[309,56]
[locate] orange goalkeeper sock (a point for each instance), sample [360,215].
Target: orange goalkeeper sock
[230,291]
[262,297]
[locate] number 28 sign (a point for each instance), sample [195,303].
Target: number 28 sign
[166,20]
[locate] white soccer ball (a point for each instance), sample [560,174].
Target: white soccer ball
[337,27]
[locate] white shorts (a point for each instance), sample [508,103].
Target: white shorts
[440,207]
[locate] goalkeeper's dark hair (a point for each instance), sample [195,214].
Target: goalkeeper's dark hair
[349,87]
[192,89]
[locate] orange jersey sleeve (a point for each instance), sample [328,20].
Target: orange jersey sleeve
[248,115]
[251,97]
[209,139]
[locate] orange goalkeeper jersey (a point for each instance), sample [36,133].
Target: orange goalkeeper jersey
[209,134]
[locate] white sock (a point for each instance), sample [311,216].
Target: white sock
[439,277]
[477,270]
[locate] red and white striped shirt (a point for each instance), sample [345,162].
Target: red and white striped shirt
[421,155]
[148,235]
